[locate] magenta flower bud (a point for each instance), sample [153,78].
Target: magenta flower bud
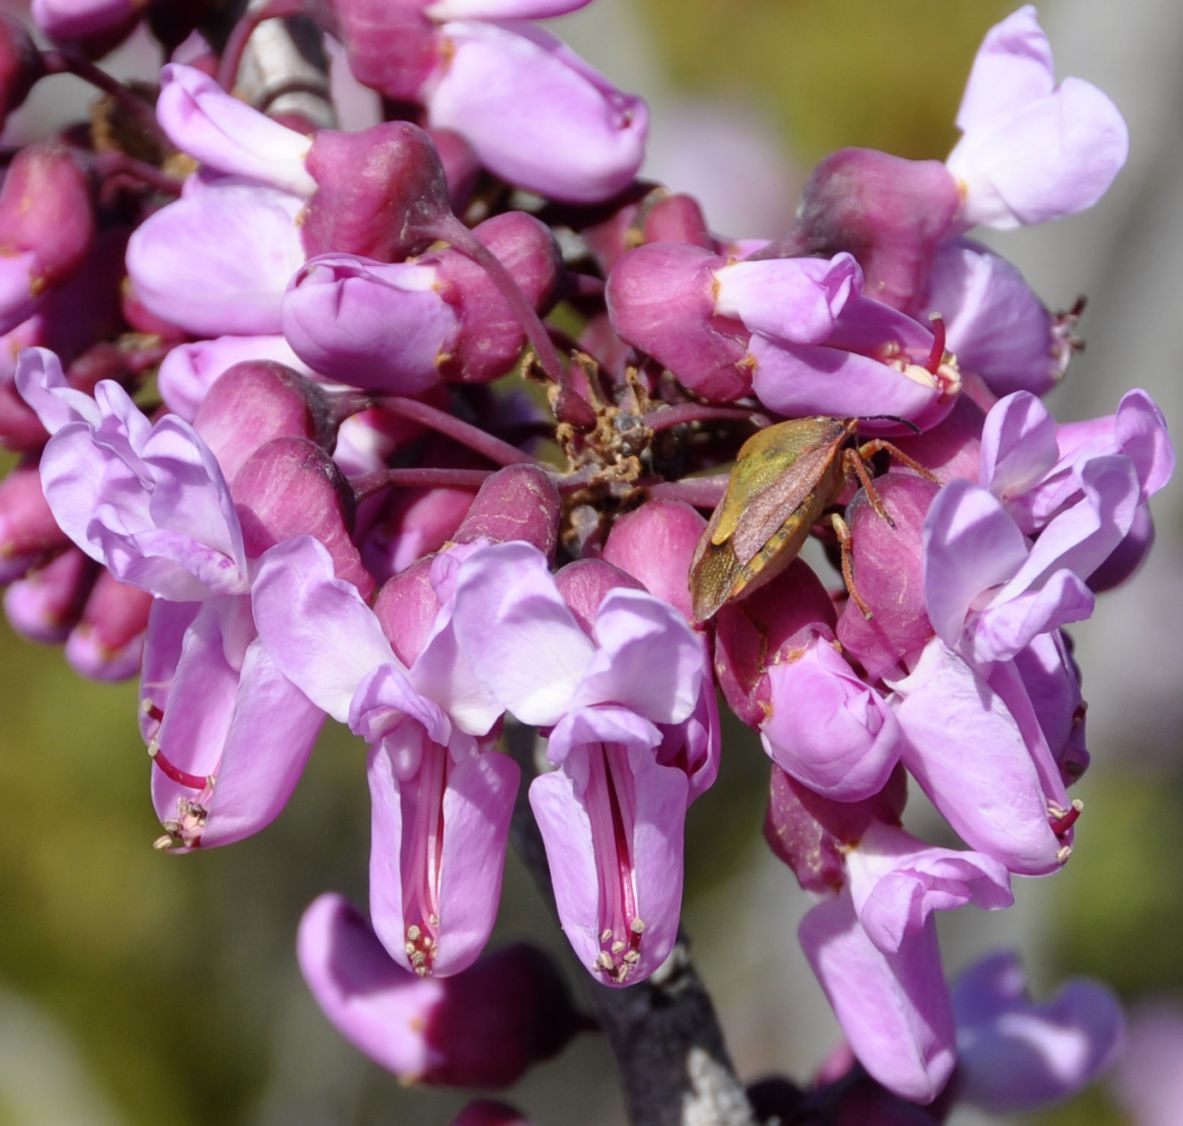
[585,584]
[392,47]
[655,543]
[380,193]
[812,834]
[253,402]
[662,300]
[378,326]
[107,644]
[675,218]
[188,372]
[888,212]
[537,114]
[490,1112]
[21,65]
[489,334]
[480,1028]
[414,524]
[44,605]
[778,619]
[290,487]
[519,502]
[46,228]
[97,25]
[28,530]
[889,573]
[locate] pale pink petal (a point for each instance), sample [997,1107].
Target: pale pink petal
[967,752]
[894,1008]
[226,134]
[827,728]
[316,627]
[521,639]
[536,114]
[970,545]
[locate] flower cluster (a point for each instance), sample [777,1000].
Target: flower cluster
[297,442]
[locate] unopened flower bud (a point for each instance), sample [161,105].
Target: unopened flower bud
[489,333]
[253,402]
[380,193]
[585,584]
[480,1028]
[21,65]
[46,228]
[291,487]
[655,543]
[95,26]
[888,212]
[519,502]
[662,301]
[812,834]
[392,47]
[889,571]
[107,644]
[45,604]
[28,530]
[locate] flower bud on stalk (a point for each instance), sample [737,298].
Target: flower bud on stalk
[46,228]
[480,1028]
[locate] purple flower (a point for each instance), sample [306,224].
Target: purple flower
[620,680]
[148,501]
[1030,150]
[536,114]
[228,136]
[1014,1054]
[819,347]
[995,324]
[441,798]
[874,950]
[151,503]
[217,261]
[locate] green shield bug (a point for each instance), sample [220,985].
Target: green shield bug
[784,479]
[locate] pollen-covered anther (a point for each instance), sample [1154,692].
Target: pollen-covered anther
[420,947]
[1063,854]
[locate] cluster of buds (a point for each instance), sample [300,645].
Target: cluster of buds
[298,442]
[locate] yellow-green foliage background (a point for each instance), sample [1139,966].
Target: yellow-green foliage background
[169,984]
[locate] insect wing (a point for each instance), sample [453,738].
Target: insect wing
[778,471]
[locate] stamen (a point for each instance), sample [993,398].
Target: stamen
[1063,819]
[937,353]
[196,782]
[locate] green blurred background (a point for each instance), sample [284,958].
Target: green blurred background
[137,988]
